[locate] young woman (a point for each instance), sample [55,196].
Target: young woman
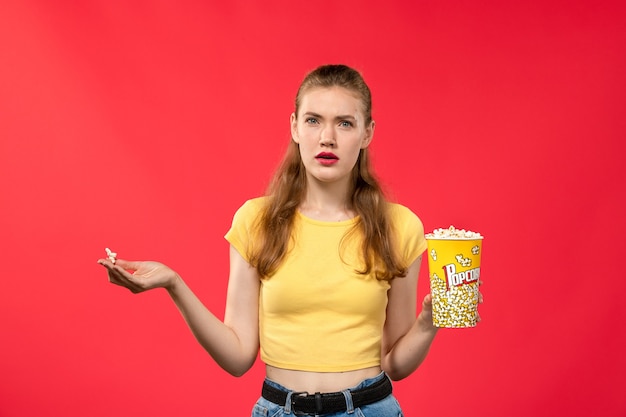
[323,270]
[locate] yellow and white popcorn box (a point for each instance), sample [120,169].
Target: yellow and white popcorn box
[454,270]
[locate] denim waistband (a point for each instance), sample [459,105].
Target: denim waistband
[366,392]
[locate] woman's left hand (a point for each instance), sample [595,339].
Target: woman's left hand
[425,317]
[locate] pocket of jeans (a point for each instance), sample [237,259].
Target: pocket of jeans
[359,413]
[264,408]
[259,411]
[388,407]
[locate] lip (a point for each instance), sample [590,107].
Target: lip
[326,155]
[326,158]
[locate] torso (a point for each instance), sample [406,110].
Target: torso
[325,380]
[312,382]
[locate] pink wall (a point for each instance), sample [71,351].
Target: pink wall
[143,128]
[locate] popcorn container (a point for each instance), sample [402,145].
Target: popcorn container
[454,270]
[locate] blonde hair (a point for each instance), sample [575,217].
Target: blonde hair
[286,192]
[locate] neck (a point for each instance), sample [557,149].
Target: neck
[327,201]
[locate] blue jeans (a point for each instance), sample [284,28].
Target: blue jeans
[387,407]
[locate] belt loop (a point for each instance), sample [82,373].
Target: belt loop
[318,402]
[288,403]
[349,404]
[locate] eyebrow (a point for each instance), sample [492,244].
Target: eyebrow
[319,116]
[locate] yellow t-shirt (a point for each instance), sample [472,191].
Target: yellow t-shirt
[316,313]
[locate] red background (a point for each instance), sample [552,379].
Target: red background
[142,127]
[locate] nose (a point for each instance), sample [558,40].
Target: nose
[327,137]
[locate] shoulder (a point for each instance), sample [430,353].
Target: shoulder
[251,208]
[403,217]
[255,203]
[409,232]
[243,225]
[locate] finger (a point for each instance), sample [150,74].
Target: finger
[125,280]
[135,289]
[427,304]
[107,262]
[132,287]
[115,276]
[126,271]
[116,267]
[127,265]
[118,275]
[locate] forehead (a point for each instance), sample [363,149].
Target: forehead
[333,100]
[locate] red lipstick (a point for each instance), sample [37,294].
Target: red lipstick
[326,158]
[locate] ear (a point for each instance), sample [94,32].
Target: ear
[369,135]
[294,128]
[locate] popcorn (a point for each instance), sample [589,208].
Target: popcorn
[111,255]
[454,307]
[463,261]
[453,233]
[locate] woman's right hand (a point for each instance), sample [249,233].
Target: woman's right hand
[139,276]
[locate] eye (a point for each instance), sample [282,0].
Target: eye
[310,120]
[345,123]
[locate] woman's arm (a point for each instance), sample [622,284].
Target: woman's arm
[233,343]
[406,340]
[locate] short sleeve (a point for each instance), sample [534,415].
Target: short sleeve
[240,232]
[410,232]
